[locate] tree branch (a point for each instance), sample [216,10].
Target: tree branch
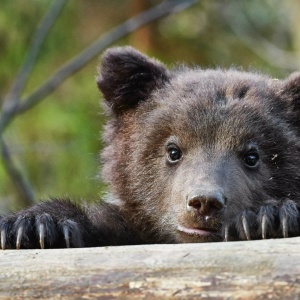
[34,49]
[23,187]
[13,97]
[75,64]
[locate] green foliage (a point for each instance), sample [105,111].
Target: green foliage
[55,144]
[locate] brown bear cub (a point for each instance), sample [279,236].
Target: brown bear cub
[191,156]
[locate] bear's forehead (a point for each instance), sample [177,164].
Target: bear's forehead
[217,84]
[213,96]
[212,106]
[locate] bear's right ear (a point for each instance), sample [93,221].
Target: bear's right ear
[128,77]
[291,89]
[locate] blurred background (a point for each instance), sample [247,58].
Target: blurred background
[53,148]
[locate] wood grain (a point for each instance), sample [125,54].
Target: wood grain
[268,269]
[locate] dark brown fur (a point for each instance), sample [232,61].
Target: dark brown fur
[235,139]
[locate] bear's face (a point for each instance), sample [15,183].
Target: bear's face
[197,156]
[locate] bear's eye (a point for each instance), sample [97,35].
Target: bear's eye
[174,154]
[251,159]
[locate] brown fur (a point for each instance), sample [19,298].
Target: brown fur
[214,115]
[191,156]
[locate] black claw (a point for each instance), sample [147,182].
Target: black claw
[44,225]
[246,227]
[266,220]
[270,221]
[41,230]
[6,227]
[72,234]
[19,237]
[22,230]
[65,229]
[284,226]
[264,226]
[3,239]
[226,233]
[46,229]
[289,216]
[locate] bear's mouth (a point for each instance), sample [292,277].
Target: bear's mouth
[196,231]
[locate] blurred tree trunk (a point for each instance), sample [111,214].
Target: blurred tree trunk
[143,37]
[294,6]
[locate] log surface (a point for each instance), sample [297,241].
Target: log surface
[268,269]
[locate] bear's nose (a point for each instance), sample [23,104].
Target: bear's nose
[206,203]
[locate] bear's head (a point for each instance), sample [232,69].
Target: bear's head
[200,155]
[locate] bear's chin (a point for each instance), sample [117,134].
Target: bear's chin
[196,235]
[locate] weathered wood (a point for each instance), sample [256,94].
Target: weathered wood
[268,269]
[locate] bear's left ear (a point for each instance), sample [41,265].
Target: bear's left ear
[128,77]
[291,91]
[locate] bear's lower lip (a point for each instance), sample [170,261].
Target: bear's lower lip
[195,231]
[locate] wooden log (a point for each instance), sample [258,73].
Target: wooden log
[268,269]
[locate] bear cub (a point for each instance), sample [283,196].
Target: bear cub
[191,155]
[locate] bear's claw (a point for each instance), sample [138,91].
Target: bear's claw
[30,231]
[270,221]
[246,226]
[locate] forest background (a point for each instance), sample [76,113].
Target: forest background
[52,149]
